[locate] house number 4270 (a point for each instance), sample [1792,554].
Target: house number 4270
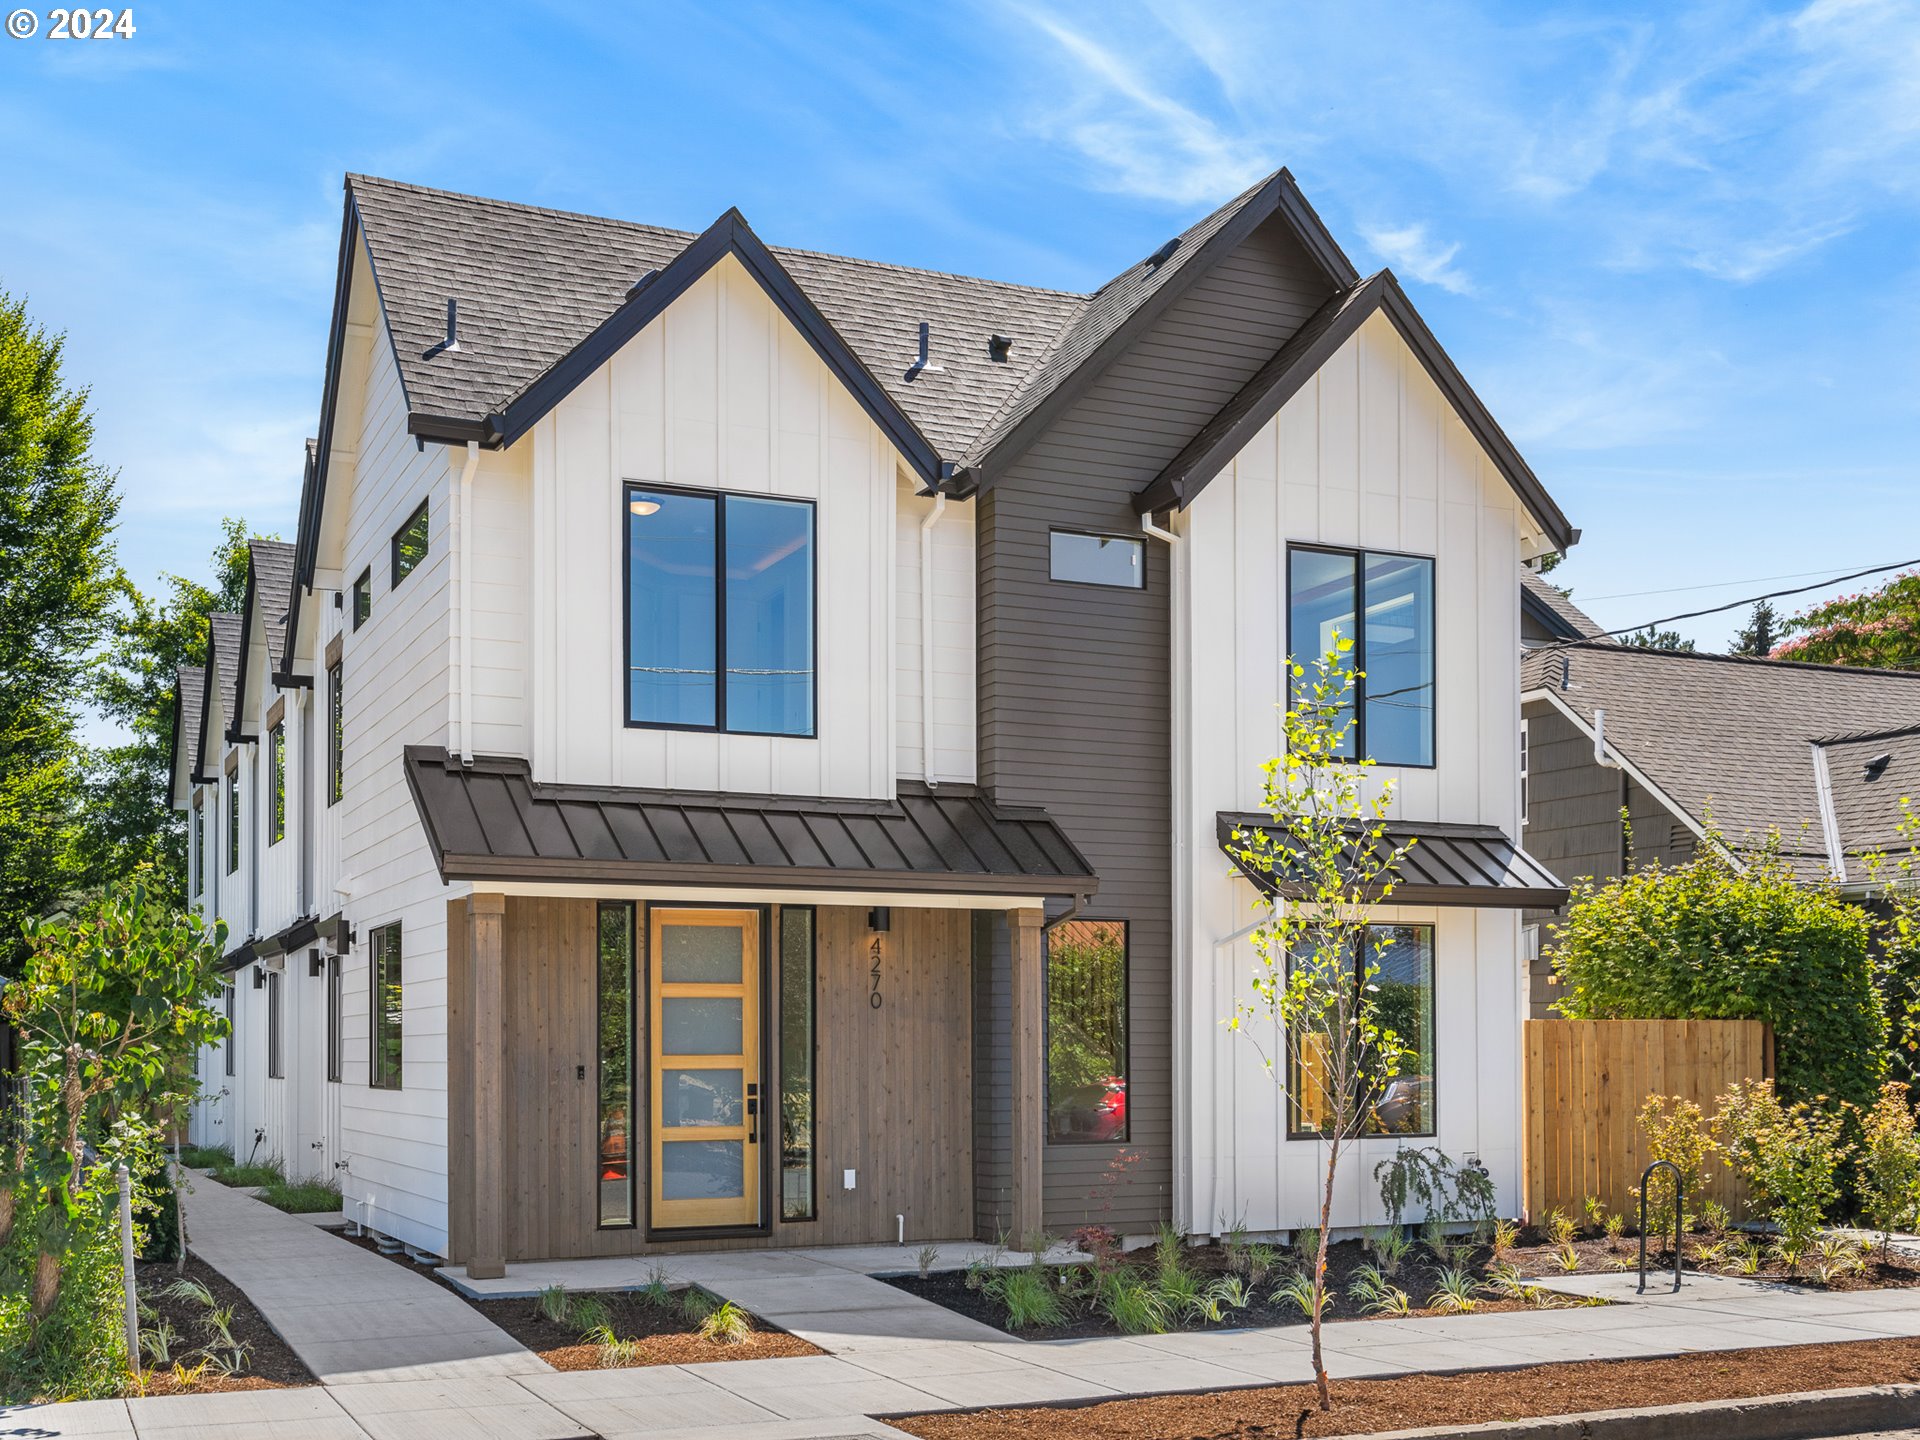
[873,974]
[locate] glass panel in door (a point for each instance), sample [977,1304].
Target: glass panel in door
[705,1030]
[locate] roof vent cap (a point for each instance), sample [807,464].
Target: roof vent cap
[1877,766]
[641,284]
[999,347]
[1163,254]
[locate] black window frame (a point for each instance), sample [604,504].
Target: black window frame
[628,489]
[1135,540]
[421,514]
[336,734]
[197,848]
[1126,1027]
[360,601]
[227,1060]
[812,1057]
[379,941]
[276,1022]
[233,821]
[632,1222]
[277,784]
[1359,557]
[1360,953]
[336,1050]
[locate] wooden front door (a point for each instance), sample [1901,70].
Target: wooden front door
[704,1007]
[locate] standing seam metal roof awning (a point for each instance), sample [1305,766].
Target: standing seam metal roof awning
[492,821]
[1450,865]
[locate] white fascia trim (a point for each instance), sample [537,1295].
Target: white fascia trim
[1829,822]
[1639,776]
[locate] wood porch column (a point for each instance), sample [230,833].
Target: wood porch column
[486,916]
[1029,1072]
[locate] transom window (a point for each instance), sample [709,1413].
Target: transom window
[1118,561]
[720,612]
[1384,604]
[1402,957]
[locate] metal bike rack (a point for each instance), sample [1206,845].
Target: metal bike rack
[1679,1219]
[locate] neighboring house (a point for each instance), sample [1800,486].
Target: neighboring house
[742,749]
[1683,744]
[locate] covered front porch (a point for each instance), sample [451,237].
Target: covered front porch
[685,1022]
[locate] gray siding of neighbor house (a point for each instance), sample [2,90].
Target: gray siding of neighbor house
[1075,690]
[1573,825]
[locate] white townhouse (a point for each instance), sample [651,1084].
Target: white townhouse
[740,749]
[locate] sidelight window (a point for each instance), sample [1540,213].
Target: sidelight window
[720,612]
[384,1063]
[796,1063]
[1087,1031]
[613,1165]
[1383,604]
[276,1062]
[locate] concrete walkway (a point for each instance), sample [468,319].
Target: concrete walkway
[893,1354]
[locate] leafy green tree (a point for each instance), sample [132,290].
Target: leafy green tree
[1327,865]
[1876,628]
[1760,634]
[1652,639]
[129,821]
[57,510]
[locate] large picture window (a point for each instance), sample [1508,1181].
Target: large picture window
[796,1064]
[720,612]
[1087,1031]
[384,1062]
[1384,605]
[613,1165]
[1402,957]
[276,784]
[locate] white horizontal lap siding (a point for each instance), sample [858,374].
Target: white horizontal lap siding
[397,669]
[954,638]
[718,393]
[1367,455]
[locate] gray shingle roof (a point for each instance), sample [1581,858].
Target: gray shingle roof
[1867,776]
[224,635]
[272,593]
[1560,603]
[1725,734]
[188,683]
[531,283]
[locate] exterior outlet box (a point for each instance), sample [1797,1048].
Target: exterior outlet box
[846,1179]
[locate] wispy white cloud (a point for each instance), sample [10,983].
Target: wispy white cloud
[1411,249]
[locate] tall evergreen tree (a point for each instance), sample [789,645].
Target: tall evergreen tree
[1652,639]
[1761,633]
[57,572]
[129,820]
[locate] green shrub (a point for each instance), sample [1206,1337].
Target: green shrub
[1679,1132]
[243,1177]
[1790,1157]
[1703,941]
[1028,1296]
[1889,1171]
[302,1197]
[79,1351]
[205,1157]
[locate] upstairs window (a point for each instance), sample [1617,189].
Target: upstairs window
[383,1069]
[363,597]
[336,769]
[1116,561]
[277,784]
[197,851]
[1384,605]
[720,612]
[409,545]
[233,822]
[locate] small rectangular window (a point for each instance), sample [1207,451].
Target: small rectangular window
[409,545]
[335,1053]
[226,1045]
[1113,560]
[1383,605]
[275,1070]
[384,1063]
[336,769]
[613,1166]
[233,822]
[796,1063]
[363,597]
[277,784]
[1087,1031]
[1402,958]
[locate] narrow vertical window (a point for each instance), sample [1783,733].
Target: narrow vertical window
[796,1063]
[613,1166]
[275,1061]
[334,1050]
[197,850]
[1523,772]
[383,1070]
[233,822]
[362,598]
[226,1046]
[1087,1031]
[277,784]
[336,736]
[410,545]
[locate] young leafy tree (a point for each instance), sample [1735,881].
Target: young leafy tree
[1877,628]
[1760,634]
[128,821]
[1325,864]
[57,508]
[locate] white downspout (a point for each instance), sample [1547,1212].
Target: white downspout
[1600,756]
[463,547]
[926,636]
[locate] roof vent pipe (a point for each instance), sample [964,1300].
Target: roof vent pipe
[1600,755]
[923,365]
[450,343]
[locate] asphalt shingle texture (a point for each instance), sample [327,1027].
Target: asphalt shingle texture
[1868,776]
[273,589]
[223,644]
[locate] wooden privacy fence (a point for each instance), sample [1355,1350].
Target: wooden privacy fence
[1586,1081]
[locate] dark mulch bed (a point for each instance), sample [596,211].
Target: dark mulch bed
[665,1336]
[269,1364]
[1418,1275]
[1597,1255]
[1365,1407]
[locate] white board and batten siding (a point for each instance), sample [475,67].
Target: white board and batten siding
[1367,455]
[955,640]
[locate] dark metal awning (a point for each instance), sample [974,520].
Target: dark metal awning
[492,821]
[1450,864]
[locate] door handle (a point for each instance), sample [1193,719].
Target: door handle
[753,1114]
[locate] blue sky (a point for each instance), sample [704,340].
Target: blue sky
[1673,248]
